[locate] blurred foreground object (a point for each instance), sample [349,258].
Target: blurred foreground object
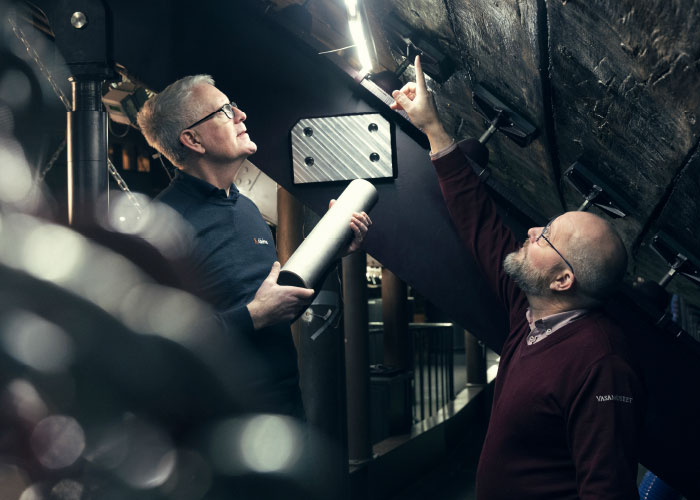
[115,386]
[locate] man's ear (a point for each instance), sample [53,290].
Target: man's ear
[190,140]
[563,280]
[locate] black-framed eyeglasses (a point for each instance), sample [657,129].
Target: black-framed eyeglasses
[543,235]
[226,109]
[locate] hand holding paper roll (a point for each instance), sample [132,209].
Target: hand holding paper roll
[331,236]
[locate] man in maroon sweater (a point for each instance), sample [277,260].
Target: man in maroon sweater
[568,406]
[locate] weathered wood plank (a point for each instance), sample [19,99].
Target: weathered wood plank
[626,93]
[496,44]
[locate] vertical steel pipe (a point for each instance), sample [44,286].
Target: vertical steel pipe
[87,151]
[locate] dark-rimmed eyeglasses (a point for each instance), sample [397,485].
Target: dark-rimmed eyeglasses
[543,235]
[226,109]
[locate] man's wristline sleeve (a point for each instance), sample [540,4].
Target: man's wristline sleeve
[450,162]
[237,319]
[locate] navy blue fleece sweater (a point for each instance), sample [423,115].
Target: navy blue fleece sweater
[233,253]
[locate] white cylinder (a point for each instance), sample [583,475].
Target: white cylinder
[331,236]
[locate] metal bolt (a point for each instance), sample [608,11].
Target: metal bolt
[308,131]
[373,157]
[372,127]
[308,316]
[78,20]
[309,161]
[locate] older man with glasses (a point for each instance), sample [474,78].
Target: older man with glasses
[203,133]
[568,404]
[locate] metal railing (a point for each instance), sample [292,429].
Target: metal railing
[430,382]
[433,372]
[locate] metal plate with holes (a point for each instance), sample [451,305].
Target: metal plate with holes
[339,148]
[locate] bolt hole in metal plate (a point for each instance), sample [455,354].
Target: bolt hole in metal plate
[344,147]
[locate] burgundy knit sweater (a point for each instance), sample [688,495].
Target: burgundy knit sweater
[567,411]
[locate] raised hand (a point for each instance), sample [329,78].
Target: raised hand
[415,99]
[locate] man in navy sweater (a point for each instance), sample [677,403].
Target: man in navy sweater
[200,131]
[568,406]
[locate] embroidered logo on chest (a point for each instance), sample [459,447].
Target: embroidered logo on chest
[614,397]
[260,241]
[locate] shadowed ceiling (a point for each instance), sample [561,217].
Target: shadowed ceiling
[613,84]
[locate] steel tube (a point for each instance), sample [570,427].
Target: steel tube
[331,235]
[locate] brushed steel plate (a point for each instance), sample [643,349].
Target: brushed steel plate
[339,148]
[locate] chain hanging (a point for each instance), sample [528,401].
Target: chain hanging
[122,184]
[66,102]
[51,162]
[44,70]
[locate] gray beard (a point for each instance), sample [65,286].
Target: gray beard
[531,281]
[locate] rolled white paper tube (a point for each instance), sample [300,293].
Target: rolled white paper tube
[330,236]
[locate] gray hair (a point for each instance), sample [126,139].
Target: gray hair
[168,113]
[598,268]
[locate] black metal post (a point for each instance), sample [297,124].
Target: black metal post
[87,151]
[397,340]
[82,30]
[397,343]
[475,359]
[322,380]
[357,356]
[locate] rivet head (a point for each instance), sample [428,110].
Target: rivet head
[308,131]
[373,157]
[78,20]
[373,127]
[309,161]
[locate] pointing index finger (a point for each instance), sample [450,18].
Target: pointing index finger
[420,78]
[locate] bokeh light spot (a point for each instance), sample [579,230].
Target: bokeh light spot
[53,252]
[13,480]
[21,400]
[149,458]
[67,489]
[268,443]
[36,342]
[260,444]
[14,171]
[57,441]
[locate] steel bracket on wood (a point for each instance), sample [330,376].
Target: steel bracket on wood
[678,258]
[596,191]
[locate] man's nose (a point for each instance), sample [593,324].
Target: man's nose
[239,115]
[532,233]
